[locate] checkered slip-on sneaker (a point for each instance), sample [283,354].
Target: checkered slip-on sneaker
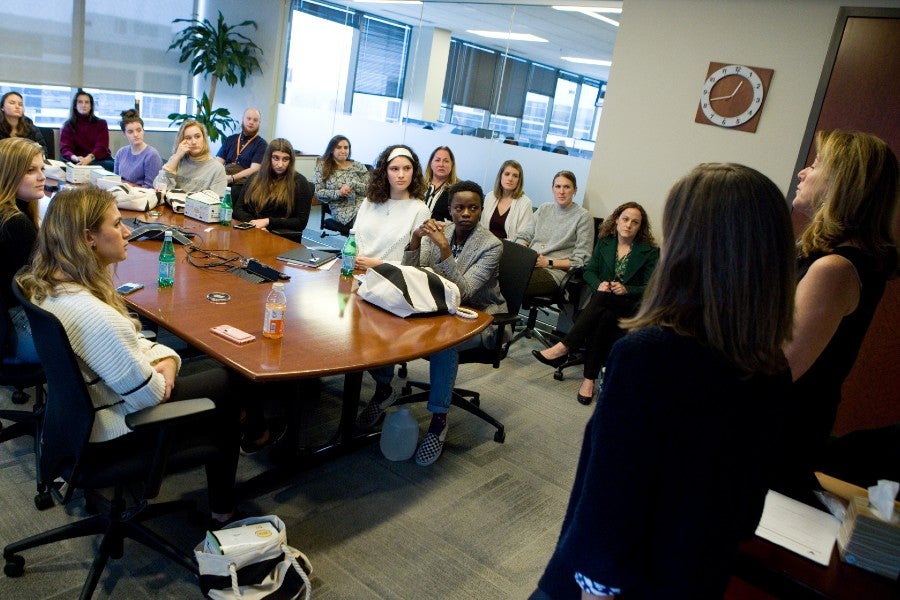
[430,448]
[380,402]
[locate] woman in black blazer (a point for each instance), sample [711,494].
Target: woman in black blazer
[619,270]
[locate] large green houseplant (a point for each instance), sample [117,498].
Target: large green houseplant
[221,53]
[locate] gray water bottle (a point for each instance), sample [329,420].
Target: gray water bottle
[399,434]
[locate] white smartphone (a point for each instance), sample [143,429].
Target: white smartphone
[233,334]
[127,288]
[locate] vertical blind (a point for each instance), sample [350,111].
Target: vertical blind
[381,63]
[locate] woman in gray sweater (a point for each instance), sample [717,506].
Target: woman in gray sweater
[563,235]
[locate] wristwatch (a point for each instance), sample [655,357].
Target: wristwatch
[550,262]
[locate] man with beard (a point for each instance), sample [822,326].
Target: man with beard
[242,153]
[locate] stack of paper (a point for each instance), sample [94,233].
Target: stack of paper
[868,541]
[798,527]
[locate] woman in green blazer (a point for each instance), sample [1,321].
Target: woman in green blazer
[619,270]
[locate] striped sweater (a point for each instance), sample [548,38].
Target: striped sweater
[115,359]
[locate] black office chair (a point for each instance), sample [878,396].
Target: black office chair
[65,452]
[49,141]
[22,376]
[328,224]
[571,293]
[515,269]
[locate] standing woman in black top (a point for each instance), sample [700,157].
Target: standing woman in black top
[847,253]
[276,198]
[440,175]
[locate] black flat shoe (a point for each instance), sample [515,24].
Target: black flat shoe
[550,362]
[586,400]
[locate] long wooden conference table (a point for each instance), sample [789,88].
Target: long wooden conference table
[329,329]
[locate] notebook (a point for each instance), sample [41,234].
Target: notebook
[306,257]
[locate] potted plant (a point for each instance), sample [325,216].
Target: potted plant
[223,54]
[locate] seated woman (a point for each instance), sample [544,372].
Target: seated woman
[563,235]
[507,210]
[469,255]
[692,400]
[847,253]
[138,162]
[84,137]
[440,174]
[340,182]
[618,271]
[276,197]
[192,168]
[387,218]
[21,187]
[81,238]
[14,123]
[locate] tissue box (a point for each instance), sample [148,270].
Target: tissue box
[80,173]
[203,206]
[100,173]
[868,541]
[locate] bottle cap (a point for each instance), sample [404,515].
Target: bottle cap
[352,232]
[278,285]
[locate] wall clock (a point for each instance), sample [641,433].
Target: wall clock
[732,96]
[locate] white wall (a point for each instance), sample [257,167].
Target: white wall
[647,136]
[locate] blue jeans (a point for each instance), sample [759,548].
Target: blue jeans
[21,341]
[442,372]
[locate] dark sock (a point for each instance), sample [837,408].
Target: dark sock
[438,422]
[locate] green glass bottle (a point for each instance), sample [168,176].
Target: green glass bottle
[167,262]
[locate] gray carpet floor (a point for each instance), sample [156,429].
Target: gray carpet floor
[479,523]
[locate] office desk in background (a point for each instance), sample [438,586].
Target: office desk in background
[328,330]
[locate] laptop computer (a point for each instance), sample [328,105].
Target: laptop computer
[306,257]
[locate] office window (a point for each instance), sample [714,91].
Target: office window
[320,83]
[563,107]
[587,108]
[534,119]
[125,46]
[381,63]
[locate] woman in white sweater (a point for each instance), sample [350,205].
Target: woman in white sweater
[81,237]
[508,213]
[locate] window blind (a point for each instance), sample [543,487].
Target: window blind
[381,62]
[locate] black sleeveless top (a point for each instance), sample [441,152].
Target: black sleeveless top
[817,394]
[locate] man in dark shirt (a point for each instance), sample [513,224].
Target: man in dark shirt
[242,153]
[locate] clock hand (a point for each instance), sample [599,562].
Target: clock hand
[720,98]
[736,89]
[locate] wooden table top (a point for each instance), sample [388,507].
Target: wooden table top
[328,330]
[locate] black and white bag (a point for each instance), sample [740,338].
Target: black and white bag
[268,569]
[407,290]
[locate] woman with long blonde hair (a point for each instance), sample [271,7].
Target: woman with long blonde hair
[276,197]
[21,188]
[81,238]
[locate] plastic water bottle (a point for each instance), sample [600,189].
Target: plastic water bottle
[226,208]
[276,308]
[399,434]
[348,255]
[167,262]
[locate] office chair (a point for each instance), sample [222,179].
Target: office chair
[49,141]
[25,422]
[65,452]
[515,268]
[569,295]
[328,223]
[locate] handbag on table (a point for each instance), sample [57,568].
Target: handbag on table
[252,563]
[406,290]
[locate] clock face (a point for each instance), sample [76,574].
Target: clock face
[732,96]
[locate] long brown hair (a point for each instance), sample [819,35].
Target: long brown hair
[726,269]
[21,126]
[328,163]
[267,187]
[859,175]
[644,234]
[16,156]
[62,254]
[451,177]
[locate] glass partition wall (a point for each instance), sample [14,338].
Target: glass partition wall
[427,75]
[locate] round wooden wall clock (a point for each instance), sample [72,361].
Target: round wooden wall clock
[732,96]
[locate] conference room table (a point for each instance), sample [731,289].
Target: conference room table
[329,330]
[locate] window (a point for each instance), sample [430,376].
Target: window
[381,64]
[319,83]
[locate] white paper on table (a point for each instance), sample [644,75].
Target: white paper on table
[800,528]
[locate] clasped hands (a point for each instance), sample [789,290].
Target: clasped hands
[613,287]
